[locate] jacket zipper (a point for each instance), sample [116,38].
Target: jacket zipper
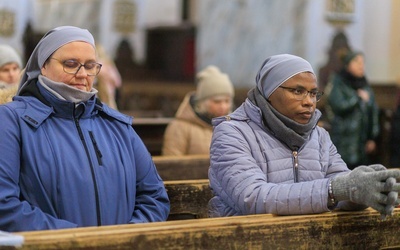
[91,169]
[295,166]
[99,155]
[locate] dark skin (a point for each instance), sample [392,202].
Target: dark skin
[284,102]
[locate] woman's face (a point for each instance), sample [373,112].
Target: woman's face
[81,52]
[10,73]
[356,66]
[285,102]
[219,105]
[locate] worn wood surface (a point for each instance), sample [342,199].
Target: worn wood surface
[336,230]
[189,198]
[188,167]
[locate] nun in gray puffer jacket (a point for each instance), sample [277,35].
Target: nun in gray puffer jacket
[269,155]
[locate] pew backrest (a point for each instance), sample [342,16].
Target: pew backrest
[332,230]
[188,199]
[189,167]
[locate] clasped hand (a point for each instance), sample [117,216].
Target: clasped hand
[373,186]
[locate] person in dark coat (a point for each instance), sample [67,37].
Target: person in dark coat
[353,112]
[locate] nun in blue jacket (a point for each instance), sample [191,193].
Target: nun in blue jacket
[68,160]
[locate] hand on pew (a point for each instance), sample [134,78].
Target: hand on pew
[372,186]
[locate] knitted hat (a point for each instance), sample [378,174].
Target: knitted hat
[277,69]
[211,82]
[9,55]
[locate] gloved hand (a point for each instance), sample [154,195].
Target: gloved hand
[393,197]
[364,185]
[377,167]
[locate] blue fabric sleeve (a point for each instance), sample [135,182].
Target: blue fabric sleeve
[16,214]
[152,203]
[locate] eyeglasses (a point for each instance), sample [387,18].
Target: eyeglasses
[73,66]
[301,93]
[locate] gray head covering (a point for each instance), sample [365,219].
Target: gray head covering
[9,55]
[52,41]
[277,69]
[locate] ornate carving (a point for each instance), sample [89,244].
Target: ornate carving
[7,23]
[340,12]
[124,16]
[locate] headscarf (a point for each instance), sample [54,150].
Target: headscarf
[52,41]
[277,69]
[353,81]
[274,71]
[347,58]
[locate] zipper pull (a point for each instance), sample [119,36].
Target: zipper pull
[295,166]
[296,160]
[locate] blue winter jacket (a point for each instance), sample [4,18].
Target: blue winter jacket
[63,166]
[252,172]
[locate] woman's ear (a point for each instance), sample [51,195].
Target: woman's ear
[43,70]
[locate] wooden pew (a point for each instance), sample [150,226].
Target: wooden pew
[189,167]
[188,198]
[151,131]
[336,230]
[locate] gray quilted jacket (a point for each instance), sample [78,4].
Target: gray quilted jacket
[248,163]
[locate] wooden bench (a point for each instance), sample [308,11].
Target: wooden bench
[151,131]
[336,230]
[189,198]
[188,167]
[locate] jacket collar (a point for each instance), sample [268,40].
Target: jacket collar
[245,112]
[67,109]
[186,112]
[40,104]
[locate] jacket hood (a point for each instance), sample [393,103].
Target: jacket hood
[246,111]
[186,112]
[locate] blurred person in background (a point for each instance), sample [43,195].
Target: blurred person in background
[108,80]
[352,112]
[10,71]
[394,148]
[191,131]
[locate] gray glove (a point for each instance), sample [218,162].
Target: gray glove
[370,186]
[376,167]
[392,197]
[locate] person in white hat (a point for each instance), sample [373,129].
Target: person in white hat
[191,130]
[10,70]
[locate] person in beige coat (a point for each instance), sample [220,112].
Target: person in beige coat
[10,72]
[191,131]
